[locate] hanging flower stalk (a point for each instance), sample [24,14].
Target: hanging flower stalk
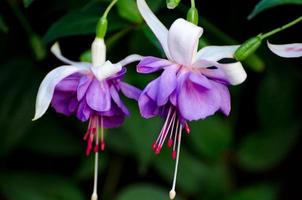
[193,84]
[90,91]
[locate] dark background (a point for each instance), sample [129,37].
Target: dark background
[255,154]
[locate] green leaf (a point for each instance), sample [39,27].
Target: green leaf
[29,186]
[3,26]
[144,191]
[266,4]
[263,150]
[16,104]
[211,137]
[256,192]
[27,3]
[80,22]
[127,9]
[60,142]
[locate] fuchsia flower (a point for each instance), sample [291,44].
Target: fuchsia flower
[286,50]
[192,85]
[90,91]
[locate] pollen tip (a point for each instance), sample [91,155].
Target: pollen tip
[157,151]
[188,130]
[103,146]
[96,148]
[94,196]
[174,154]
[170,142]
[154,146]
[172,194]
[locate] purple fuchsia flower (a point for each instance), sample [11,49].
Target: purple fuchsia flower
[286,50]
[90,91]
[193,84]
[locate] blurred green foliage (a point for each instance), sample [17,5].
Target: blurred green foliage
[222,158]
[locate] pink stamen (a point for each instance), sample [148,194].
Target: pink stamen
[103,145]
[174,153]
[170,142]
[188,130]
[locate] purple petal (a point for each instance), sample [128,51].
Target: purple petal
[84,111]
[225,99]
[114,121]
[98,96]
[130,91]
[151,64]
[147,106]
[117,100]
[83,86]
[63,101]
[166,85]
[69,83]
[195,101]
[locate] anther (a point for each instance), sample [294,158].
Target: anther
[170,142]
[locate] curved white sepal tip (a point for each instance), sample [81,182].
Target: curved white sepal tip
[216,53]
[293,50]
[47,87]
[129,59]
[172,194]
[234,72]
[159,30]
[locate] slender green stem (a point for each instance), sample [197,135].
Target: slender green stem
[22,19]
[109,8]
[277,30]
[192,3]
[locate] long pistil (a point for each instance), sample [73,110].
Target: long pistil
[94,195]
[172,193]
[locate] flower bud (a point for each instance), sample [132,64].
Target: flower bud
[171,4]
[192,15]
[101,27]
[248,48]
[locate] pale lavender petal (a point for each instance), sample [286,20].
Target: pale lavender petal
[225,99]
[166,84]
[152,64]
[83,86]
[84,111]
[195,101]
[183,38]
[147,106]
[293,50]
[117,100]
[98,96]
[130,91]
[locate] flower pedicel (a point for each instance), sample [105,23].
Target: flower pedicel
[192,86]
[90,91]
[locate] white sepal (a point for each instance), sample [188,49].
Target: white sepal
[159,30]
[234,72]
[106,70]
[131,58]
[47,87]
[293,50]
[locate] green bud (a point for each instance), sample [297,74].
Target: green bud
[171,4]
[192,15]
[38,47]
[101,27]
[248,48]
[86,56]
